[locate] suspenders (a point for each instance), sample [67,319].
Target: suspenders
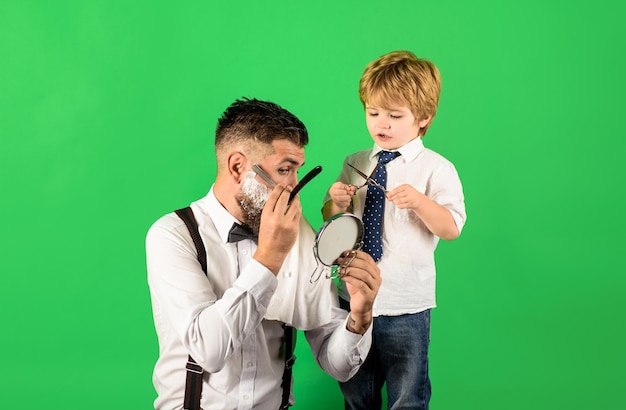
[193,385]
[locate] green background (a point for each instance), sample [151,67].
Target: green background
[107,113]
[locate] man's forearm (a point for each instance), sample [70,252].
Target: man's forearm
[359,323]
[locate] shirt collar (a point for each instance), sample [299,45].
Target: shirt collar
[409,151]
[222,219]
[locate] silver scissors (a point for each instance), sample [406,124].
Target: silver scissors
[368,179]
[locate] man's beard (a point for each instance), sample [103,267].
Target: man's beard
[252,199]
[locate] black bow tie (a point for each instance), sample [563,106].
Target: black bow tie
[240,232]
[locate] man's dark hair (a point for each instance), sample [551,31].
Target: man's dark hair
[262,121]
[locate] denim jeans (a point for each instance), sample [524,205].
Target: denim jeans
[399,356]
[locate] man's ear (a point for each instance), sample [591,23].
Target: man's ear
[237,164]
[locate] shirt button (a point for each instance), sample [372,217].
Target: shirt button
[249,364]
[246,397]
[245,252]
[287,274]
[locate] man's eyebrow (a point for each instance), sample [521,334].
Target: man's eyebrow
[292,161]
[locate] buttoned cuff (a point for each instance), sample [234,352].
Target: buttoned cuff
[355,346]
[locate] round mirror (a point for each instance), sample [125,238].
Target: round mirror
[339,233]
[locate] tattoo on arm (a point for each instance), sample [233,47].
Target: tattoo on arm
[352,327]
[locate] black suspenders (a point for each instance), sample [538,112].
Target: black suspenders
[193,385]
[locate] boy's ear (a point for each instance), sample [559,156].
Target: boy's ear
[425,121]
[237,163]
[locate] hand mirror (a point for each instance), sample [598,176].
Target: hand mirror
[340,233]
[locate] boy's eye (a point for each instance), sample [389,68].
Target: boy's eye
[372,114]
[395,117]
[283,171]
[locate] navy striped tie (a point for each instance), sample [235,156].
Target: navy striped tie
[375,208]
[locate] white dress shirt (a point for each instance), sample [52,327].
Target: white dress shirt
[408,264]
[231,322]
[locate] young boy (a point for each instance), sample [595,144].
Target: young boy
[422,203]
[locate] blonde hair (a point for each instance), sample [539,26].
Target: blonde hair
[400,77]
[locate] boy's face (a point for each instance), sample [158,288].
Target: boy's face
[393,126]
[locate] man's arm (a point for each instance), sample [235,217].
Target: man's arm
[341,346]
[186,304]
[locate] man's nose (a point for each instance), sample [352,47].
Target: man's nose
[292,180]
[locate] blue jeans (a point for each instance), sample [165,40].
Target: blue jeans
[399,356]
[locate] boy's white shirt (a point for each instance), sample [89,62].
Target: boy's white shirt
[407,265]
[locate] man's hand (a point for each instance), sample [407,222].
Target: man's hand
[279,228]
[362,278]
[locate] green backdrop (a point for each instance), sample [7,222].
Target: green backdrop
[107,112]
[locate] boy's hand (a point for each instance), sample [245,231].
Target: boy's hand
[405,196]
[437,218]
[341,195]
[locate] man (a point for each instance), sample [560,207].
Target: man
[231,320]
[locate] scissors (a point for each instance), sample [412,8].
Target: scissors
[368,179]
